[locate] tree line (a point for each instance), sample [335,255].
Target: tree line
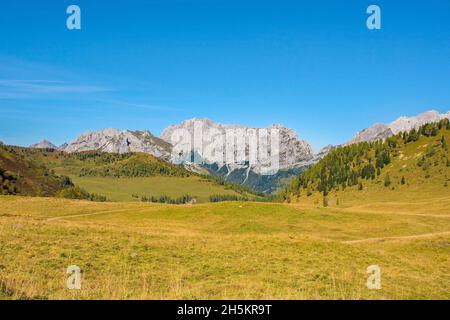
[349,165]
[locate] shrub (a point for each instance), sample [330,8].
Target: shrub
[387,180]
[80,194]
[227,197]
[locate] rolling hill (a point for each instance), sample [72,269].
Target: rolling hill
[21,175]
[118,177]
[407,166]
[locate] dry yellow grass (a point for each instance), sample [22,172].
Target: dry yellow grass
[221,251]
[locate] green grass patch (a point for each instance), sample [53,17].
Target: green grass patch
[123,189]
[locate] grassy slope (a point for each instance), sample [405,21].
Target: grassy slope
[122,189]
[25,176]
[174,181]
[420,184]
[225,250]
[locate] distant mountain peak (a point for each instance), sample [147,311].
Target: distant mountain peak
[44,144]
[63,146]
[116,141]
[382,131]
[376,132]
[404,123]
[292,150]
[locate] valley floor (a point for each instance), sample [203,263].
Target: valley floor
[223,250]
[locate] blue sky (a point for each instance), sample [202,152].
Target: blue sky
[310,65]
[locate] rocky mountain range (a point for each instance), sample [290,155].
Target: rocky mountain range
[116,141]
[293,154]
[291,150]
[44,144]
[382,131]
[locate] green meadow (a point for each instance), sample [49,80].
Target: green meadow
[230,250]
[123,189]
[385,204]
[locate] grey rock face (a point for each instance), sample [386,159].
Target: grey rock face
[323,152]
[291,151]
[115,141]
[381,131]
[44,144]
[376,132]
[63,147]
[409,123]
[293,154]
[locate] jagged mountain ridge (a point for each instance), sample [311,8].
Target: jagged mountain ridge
[293,155]
[44,144]
[382,131]
[292,150]
[116,141]
[63,146]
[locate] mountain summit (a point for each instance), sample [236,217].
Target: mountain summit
[402,124]
[116,141]
[408,123]
[292,150]
[44,144]
[292,154]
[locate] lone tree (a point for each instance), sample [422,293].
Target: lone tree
[325,201]
[444,143]
[387,180]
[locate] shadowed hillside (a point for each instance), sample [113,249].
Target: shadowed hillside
[21,175]
[119,177]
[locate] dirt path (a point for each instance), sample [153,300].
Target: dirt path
[363,209]
[419,236]
[445,216]
[88,214]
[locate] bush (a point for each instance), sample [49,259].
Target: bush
[166,199]
[65,182]
[325,202]
[80,194]
[227,197]
[387,180]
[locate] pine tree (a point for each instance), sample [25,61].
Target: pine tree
[325,201]
[387,180]
[444,143]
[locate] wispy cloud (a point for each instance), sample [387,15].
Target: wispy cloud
[32,83]
[17,89]
[136,105]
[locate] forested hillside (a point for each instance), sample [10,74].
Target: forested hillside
[121,177]
[415,159]
[23,176]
